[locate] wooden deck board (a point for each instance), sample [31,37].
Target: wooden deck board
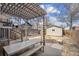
[15,48]
[30,52]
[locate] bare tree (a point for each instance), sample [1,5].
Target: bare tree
[73,12]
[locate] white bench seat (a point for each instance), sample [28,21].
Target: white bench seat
[18,47]
[32,51]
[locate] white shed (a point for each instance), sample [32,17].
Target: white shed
[54,31]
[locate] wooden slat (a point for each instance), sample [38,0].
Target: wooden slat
[6,27]
[22,10]
[15,48]
[19,10]
[32,51]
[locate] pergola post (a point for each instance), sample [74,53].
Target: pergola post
[26,30]
[21,29]
[44,30]
[21,36]
[8,36]
[70,22]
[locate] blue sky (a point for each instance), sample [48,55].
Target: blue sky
[54,10]
[57,6]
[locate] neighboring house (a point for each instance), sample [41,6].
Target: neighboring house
[76,27]
[54,31]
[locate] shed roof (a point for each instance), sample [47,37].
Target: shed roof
[49,26]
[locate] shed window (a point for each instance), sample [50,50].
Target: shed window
[53,29]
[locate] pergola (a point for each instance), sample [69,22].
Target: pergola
[24,10]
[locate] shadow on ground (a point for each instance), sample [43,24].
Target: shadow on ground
[50,50]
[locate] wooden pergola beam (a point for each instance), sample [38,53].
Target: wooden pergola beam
[17,10]
[26,11]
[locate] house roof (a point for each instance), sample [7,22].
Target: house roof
[22,10]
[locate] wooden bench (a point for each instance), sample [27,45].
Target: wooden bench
[18,47]
[32,51]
